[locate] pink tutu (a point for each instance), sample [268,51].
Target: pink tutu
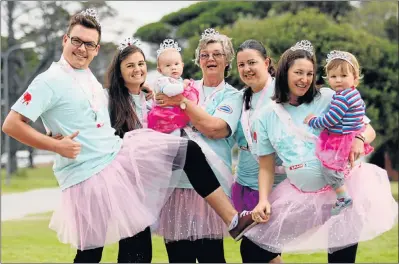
[187,216]
[125,197]
[333,149]
[168,119]
[301,222]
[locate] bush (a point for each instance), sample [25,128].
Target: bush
[188,13]
[154,32]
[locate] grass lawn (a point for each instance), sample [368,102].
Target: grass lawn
[28,179]
[30,240]
[394,189]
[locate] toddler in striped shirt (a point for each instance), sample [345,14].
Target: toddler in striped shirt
[342,123]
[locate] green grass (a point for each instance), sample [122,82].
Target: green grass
[394,189]
[30,240]
[28,179]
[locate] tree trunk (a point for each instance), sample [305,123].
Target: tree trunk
[31,153]
[12,69]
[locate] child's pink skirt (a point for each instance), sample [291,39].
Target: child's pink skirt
[168,119]
[333,149]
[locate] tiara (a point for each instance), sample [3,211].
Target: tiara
[168,44]
[209,33]
[303,45]
[336,54]
[128,42]
[91,13]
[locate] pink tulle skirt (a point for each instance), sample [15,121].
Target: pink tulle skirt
[302,222]
[187,216]
[168,119]
[125,197]
[333,149]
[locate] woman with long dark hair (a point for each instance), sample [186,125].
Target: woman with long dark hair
[128,112]
[296,215]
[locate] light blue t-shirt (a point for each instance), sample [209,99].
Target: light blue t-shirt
[64,108]
[139,106]
[227,105]
[248,167]
[298,156]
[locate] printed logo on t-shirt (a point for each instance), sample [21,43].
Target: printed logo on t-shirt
[225,108]
[255,137]
[295,167]
[26,98]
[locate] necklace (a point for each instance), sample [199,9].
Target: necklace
[91,95]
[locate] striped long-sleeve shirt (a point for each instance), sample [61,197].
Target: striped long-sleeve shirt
[345,115]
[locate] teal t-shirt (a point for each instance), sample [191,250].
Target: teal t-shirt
[247,169]
[136,98]
[226,104]
[64,108]
[272,136]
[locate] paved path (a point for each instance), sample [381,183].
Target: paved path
[18,205]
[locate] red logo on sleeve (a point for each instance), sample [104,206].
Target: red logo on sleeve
[255,137]
[27,98]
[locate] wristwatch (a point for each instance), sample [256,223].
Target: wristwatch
[183,104]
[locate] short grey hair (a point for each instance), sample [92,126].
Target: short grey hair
[227,47]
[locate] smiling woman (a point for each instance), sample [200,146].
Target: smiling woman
[126,74]
[192,230]
[297,215]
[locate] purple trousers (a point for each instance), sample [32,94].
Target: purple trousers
[244,198]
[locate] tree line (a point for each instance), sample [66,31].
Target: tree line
[368,30]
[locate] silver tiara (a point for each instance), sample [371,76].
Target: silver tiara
[336,54]
[167,44]
[91,13]
[303,45]
[128,42]
[209,33]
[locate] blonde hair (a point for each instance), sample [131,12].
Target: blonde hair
[227,47]
[345,66]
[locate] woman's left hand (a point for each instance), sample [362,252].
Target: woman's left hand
[163,100]
[357,149]
[308,118]
[149,93]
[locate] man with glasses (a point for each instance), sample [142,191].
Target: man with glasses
[80,32]
[71,102]
[111,192]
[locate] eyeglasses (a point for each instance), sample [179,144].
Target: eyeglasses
[77,42]
[206,56]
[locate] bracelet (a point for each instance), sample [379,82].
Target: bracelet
[360,137]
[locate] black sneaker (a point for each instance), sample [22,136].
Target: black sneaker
[244,223]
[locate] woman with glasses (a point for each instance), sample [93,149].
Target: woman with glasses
[190,227]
